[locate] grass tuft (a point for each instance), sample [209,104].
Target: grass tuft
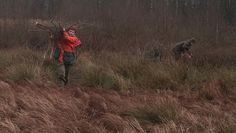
[23,72]
[156,113]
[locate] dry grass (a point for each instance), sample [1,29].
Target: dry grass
[156,113]
[117,71]
[149,96]
[44,108]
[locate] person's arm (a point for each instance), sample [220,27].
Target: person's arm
[186,48]
[69,38]
[77,43]
[189,54]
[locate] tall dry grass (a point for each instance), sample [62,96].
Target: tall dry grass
[23,64]
[149,96]
[33,108]
[117,71]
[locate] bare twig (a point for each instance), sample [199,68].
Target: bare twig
[43,27]
[75,24]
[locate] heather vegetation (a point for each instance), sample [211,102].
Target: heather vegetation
[165,96]
[117,71]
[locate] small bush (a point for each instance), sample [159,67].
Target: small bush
[228,75]
[130,68]
[20,64]
[92,75]
[156,114]
[5,60]
[156,77]
[228,130]
[21,72]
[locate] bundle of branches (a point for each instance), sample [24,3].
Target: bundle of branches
[55,31]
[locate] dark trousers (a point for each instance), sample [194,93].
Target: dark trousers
[63,71]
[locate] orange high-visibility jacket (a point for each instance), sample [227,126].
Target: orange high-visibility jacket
[68,44]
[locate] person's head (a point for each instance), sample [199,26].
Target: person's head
[189,43]
[71,31]
[192,40]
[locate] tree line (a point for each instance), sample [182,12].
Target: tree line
[173,19]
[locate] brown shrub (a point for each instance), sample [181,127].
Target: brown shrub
[113,123]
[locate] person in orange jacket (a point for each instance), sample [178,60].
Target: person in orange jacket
[64,54]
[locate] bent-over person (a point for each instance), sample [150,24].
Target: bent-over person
[183,48]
